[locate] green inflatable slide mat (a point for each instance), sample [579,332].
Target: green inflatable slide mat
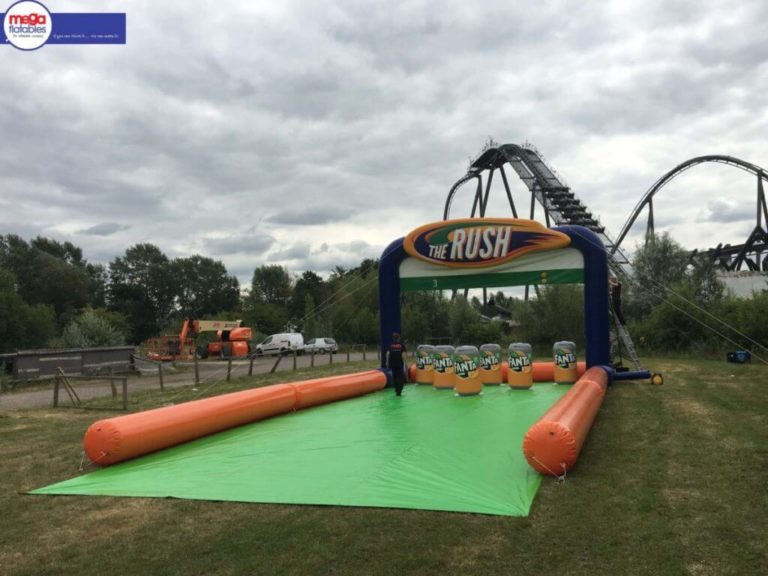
[425,450]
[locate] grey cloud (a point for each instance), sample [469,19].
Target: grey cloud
[22,229]
[251,243]
[720,211]
[354,246]
[104,229]
[311,215]
[297,251]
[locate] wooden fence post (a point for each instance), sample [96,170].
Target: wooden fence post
[125,393]
[364,347]
[197,371]
[160,374]
[112,383]
[250,367]
[312,361]
[330,358]
[295,354]
[279,357]
[56,392]
[68,387]
[347,354]
[229,369]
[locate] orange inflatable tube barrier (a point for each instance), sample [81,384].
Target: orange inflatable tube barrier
[553,443]
[116,439]
[542,371]
[323,390]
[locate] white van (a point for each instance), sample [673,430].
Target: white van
[281,344]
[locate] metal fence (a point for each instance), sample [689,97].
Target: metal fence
[26,365]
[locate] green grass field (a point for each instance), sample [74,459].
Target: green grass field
[670,481]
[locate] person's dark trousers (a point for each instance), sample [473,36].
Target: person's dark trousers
[399,378]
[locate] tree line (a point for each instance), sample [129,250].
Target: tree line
[50,295]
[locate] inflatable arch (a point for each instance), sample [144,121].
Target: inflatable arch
[498,252]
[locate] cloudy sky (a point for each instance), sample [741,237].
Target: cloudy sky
[311,134]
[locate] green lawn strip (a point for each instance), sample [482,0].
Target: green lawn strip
[653,493]
[718,442]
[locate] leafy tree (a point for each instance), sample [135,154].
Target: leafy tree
[671,295]
[264,318]
[22,325]
[308,284]
[677,325]
[362,327]
[427,314]
[701,277]
[204,287]
[415,324]
[56,283]
[367,266]
[351,296]
[556,314]
[143,288]
[97,285]
[659,264]
[271,284]
[748,316]
[65,251]
[310,320]
[464,320]
[48,272]
[73,255]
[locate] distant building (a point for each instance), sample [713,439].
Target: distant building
[743,283]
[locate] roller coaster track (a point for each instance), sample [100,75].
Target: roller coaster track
[560,204]
[727,257]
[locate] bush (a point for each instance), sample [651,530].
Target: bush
[90,329]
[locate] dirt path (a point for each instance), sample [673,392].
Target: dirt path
[210,371]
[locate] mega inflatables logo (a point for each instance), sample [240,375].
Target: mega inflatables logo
[480,242]
[27,25]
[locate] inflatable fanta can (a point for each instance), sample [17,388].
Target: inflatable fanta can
[566,371]
[424,370]
[520,371]
[466,363]
[442,364]
[490,363]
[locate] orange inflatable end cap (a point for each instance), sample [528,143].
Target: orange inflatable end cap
[102,442]
[550,448]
